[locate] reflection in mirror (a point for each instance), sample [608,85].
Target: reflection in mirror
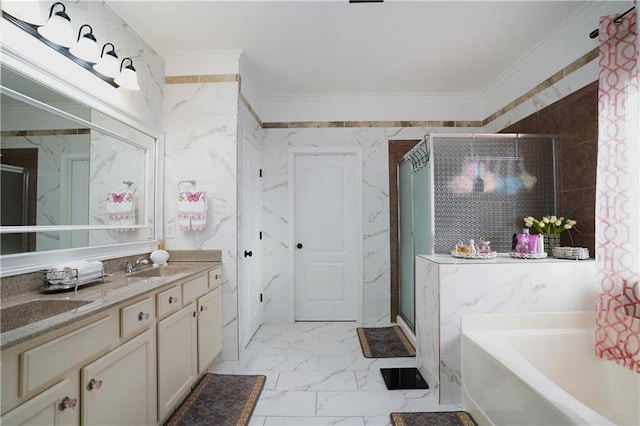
[65,165]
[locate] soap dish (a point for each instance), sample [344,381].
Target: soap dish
[574,253]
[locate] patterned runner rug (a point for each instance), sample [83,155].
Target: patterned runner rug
[219,399]
[440,418]
[384,342]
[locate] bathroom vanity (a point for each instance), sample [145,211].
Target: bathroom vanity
[448,288]
[126,352]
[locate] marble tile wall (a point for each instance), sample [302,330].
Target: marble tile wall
[373,142]
[451,289]
[201,124]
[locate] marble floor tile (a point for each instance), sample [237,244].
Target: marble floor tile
[317,376]
[286,403]
[316,381]
[362,403]
[314,421]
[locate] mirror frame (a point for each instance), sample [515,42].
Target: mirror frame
[20,263]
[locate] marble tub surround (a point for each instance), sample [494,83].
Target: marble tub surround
[448,288]
[118,288]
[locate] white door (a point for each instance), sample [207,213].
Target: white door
[74,198]
[250,244]
[327,236]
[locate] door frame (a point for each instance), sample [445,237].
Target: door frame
[357,153]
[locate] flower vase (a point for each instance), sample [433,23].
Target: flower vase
[551,241]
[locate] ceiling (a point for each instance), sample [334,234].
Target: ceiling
[301,48]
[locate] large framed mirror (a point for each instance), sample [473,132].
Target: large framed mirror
[72,177]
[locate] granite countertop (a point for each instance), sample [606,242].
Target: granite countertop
[447,259]
[117,289]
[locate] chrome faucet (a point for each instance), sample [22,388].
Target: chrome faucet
[129,267]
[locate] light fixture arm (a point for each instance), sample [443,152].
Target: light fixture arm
[130,66]
[89,34]
[62,13]
[111,52]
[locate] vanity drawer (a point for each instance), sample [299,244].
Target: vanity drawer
[168,301]
[195,288]
[137,317]
[215,278]
[46,361]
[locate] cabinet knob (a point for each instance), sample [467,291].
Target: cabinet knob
[94,384]
[195,314]
[248,253]
[68,403]
[216,276]
[299,245]
[204,308]
[143,316]
[173,300]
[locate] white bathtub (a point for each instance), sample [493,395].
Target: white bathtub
[540,369]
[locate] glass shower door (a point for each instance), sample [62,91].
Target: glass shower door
[406,243]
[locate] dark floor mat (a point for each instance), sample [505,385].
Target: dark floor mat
[384,342]
[439,418]
[219,399]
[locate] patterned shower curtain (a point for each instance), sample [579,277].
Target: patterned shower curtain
[618,188]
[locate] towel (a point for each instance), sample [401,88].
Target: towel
[121,209]
[88,270]
[192,210]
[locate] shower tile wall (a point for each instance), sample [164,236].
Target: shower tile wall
[575,120]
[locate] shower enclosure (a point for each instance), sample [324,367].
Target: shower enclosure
[15,205]
[457,187]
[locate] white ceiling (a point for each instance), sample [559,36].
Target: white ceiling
[298,48]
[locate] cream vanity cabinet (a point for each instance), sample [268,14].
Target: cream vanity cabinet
[119,388]
[132,364]
[40,377]
[188,340]
[58,405]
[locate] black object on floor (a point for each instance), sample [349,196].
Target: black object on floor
[403,378]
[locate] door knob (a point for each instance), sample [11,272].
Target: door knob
[248,253]
[299,245]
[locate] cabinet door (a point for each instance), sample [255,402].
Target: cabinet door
[57,405]
[119,388]
[177,358]
[209,328]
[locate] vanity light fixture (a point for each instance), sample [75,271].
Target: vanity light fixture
[58,34]
[108,63]
[128,77]
[87,46]
[58,28]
